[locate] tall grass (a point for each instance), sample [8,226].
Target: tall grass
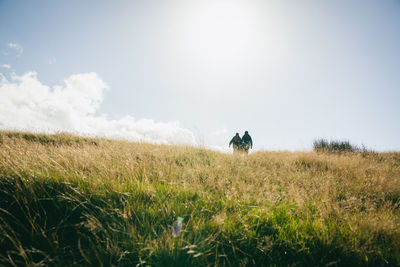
[82,201]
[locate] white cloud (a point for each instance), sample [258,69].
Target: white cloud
[6,66]
[27,104]
[17,47]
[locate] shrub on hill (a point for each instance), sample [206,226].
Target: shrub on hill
[323,145]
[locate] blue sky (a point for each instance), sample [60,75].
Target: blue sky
[287,71]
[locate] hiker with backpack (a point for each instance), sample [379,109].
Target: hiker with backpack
[236,142]
[247,142]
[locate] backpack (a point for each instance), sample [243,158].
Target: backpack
[246,139]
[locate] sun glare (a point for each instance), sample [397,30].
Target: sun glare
[221,33]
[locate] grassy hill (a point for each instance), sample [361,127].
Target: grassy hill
[67,200]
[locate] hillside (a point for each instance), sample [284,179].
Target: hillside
[67,200]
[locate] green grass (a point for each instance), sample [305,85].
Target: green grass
[81,201]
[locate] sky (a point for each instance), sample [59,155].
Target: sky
[197,72]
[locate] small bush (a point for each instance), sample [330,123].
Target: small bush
[323,145]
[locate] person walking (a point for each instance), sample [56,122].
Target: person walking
[236,142]
[247,142]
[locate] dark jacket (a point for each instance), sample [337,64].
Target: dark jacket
[236,141]
[246,139]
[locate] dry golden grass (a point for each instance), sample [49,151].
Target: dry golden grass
[346,202]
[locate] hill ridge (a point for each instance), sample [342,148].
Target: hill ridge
[70,200]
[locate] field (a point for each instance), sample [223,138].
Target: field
[68,200]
